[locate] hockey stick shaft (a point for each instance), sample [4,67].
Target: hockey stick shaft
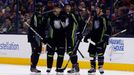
[80,53]
[49,11]
[35,32]
[119,32]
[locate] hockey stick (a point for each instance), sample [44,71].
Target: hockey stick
[119,32]
[77,43]
[35,32]
[48,11]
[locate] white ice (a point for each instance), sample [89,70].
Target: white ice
[6,69]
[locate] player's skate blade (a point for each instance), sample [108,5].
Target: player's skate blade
[34,70]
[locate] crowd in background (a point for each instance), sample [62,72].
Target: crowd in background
[119,12]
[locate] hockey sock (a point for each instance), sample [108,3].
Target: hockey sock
[34,59]
[100,60]
[60,61]
[93,62]
[49,61]
[74,59]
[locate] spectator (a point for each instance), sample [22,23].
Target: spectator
[7,26]
[115,14]
[1,18]
[108,13]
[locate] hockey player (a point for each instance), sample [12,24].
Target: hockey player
[37,24]
[56,40]
[99,34]
[70,23]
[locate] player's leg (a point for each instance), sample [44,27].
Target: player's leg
[73,57]
[92,54]
[50,54]
[36,51]
[100,52]
[75,65]
[60,58]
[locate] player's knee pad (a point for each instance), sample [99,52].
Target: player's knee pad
[61,56]
[72,55]
[92,57]
[36,53]
[50,56]
[101,58]
[69,53]
[100,55]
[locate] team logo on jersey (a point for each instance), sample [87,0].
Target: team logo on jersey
[57,24]
[96,24]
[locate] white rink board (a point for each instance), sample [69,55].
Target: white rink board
[120,50]
[18,47]
[14,46]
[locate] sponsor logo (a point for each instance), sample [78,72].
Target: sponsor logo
[9,46]
[117,44]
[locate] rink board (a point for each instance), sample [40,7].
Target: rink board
[14,49]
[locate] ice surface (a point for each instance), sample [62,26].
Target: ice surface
[6,69]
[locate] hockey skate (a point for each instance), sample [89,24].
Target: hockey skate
[35,70]
[48,70]
[75,69]
[92,70]
[101,70]
[59,71]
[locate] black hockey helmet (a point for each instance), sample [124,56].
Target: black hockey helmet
[101,6]
[38,6]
